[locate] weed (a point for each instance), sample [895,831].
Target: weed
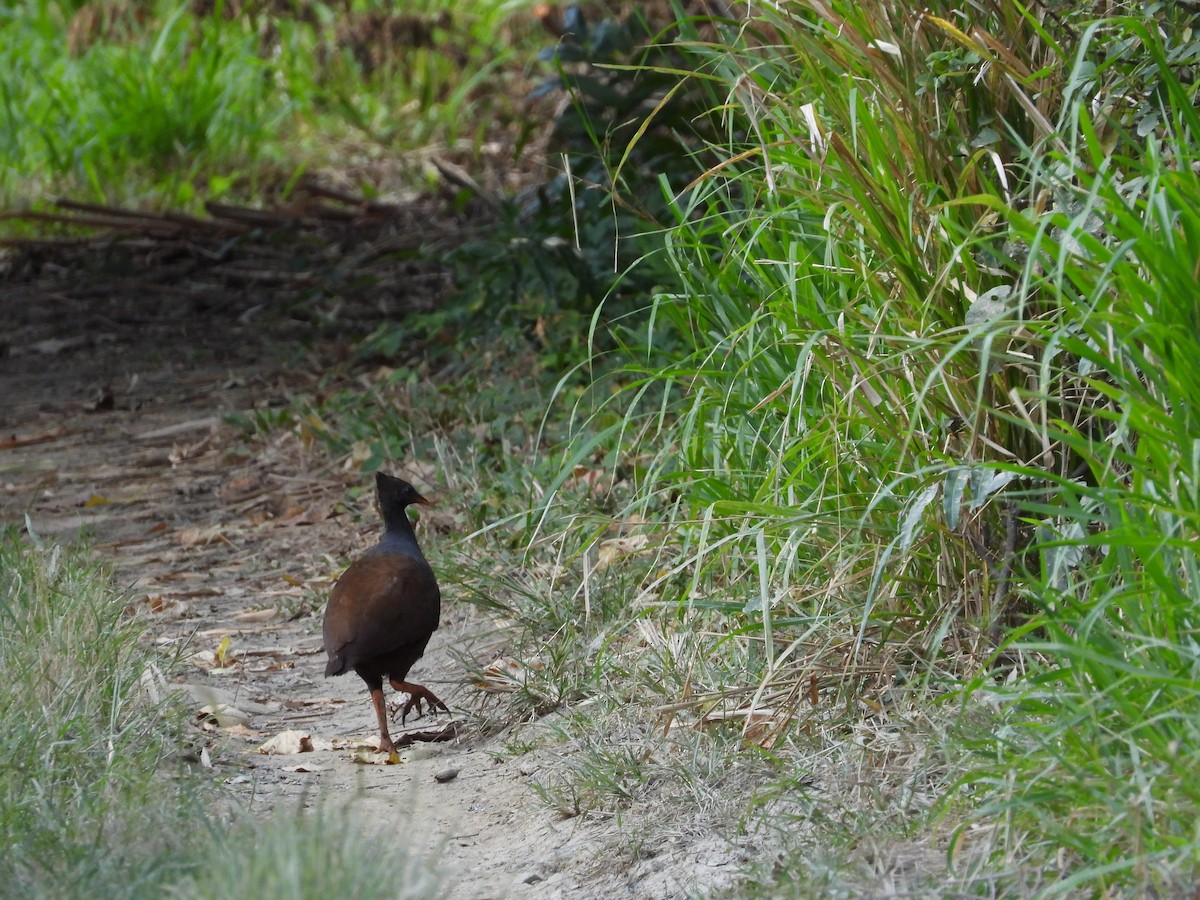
[84,809]
[928,398]
[95,798]
[161,105]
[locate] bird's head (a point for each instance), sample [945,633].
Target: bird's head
[395,493]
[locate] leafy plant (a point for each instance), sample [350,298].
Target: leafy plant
[932,397]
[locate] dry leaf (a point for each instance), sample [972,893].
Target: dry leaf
[504,675]
[224,715]
[582,476]
[288,742]
[190,537]
[203,659]
[764,727]
[256,615]
[24,440]
[221,654]
[303,767]
[298,515]
[96,500]
[618,548]
[167,607]
[366,755]
[360,452]
[239,487]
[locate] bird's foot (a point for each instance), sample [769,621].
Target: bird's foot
[417,695]
[386,746]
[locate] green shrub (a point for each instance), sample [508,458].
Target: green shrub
[937,396]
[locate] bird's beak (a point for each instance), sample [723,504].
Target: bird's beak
[423,501]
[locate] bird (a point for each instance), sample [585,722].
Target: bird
[383,610]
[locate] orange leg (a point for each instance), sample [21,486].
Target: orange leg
[385,739]
[416,694]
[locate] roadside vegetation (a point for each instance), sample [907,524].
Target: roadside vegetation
[830,451]
[168,105]
[101,788]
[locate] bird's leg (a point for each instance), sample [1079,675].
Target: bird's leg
[385,739]
[416,694]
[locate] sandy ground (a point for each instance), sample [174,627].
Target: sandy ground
[114,422]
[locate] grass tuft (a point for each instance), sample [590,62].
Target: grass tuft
[84,809]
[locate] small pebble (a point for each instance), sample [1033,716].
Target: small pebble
[530,878]
[446,775]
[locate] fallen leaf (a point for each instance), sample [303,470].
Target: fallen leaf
[288,742]
[190,537]
[311,515]
[221,654]
[286,510]
[504,675]
[371,756]
[303,768]
[223,715]
[96,500]
[24,440]
[360,452]
[763,726]
[582,476]
[203,659]
[168,607]
[256,615]
[618,548]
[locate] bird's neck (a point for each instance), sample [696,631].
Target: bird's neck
[398,537]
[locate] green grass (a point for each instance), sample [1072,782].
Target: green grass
[97,797]
[83,808]
[936,393]
[304,855]
[157,106]
[903,438]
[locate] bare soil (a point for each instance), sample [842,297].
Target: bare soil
[121,364]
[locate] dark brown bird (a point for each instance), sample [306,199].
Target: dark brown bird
[384,609]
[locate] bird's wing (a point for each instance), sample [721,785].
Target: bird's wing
[380,603]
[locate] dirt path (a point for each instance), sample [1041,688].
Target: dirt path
[113,422]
